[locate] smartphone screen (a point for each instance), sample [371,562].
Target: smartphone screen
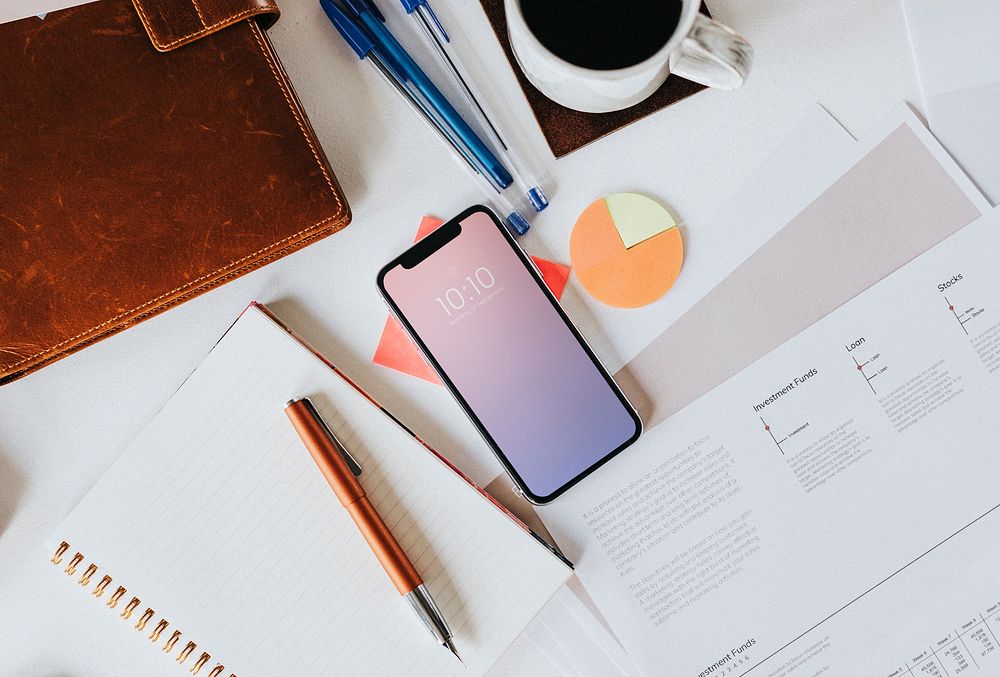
[484,319]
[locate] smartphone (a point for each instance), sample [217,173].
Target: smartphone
[479,310]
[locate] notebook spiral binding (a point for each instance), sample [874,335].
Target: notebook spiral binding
[129,609]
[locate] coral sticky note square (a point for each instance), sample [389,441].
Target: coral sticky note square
[397,351]
[554,274]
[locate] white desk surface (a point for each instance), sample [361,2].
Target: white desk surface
[62,427]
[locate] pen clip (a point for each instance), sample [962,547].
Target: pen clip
[344,453]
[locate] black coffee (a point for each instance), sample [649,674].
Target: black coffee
[602,34]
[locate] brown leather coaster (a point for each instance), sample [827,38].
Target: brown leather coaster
[566,129]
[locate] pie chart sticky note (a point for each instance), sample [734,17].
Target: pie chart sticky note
[626,250]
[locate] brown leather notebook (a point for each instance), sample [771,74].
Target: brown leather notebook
[148,153]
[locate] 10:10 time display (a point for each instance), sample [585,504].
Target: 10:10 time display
[454,299]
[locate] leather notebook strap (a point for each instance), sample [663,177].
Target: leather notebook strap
[172,23]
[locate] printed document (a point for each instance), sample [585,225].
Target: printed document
[796,519]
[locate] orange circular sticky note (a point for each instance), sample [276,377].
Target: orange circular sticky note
[626,250]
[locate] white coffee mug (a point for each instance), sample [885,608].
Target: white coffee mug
[700,49]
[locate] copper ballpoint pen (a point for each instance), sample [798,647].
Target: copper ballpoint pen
[341,471]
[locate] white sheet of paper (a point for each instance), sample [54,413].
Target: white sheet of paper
[957,631]
[525,658]
[938,618]
[957,55]
[717,545]
[565,638]
[590,646]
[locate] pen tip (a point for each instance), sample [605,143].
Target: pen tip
[451,647]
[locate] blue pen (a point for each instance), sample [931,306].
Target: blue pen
[438,40]
[359,40]
[397,57]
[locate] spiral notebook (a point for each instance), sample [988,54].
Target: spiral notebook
[219,544]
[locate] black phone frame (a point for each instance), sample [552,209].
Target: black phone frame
[423,249]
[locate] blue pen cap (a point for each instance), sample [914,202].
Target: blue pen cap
[353,34]
[518,223]
[348,21]
[410,5]
[538,199]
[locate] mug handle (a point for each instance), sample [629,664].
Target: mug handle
[712,54]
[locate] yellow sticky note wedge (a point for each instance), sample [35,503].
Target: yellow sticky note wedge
[637,218]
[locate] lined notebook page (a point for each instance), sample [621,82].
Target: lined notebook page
[217,518]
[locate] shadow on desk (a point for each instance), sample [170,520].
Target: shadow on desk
[12,484]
